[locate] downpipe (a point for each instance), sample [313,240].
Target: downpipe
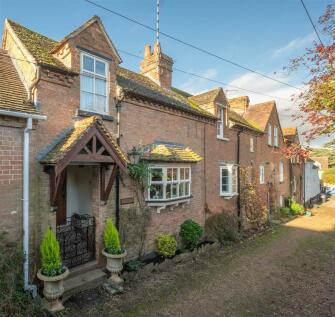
[27,287]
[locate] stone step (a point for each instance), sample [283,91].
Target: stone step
[89,279]
[81,269]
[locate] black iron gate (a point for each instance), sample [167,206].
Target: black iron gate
[77,240]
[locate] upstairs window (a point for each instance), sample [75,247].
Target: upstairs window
[169,183]
[281,171]
[252,145]
[228,180]
[93,84]
[269,134]
[261,174]
[275,136]
[221,122]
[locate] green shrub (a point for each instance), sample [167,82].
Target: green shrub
[50,255]
[166,245]
[296,208]
[190,232]
[111,238]
[134,265]
[223,228]
[285,211]
[14,300]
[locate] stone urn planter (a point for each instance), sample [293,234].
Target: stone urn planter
[114,266]
[53,290]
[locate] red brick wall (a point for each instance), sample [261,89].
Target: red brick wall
[11,154]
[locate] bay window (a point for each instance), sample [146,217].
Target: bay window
[169,182]
[93,84]
[228,180]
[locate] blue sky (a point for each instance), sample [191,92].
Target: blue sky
[260,34]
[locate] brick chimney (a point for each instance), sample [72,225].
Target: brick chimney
[157,66]
[239,104]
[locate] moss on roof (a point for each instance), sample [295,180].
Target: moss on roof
[143,86]
[170,152]
[38,45]
[239,120]
[70,139]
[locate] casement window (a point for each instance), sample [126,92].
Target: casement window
[252,145]
[281,201]
[281,171]
[269,134]
[275,136]
[169,183]
[261,174]
[93,84]
[221,122]
[228,180]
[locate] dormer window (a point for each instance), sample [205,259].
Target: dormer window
[93,84]
[221,122]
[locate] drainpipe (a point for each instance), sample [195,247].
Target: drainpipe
[117,180]
[27,286]
[238,181]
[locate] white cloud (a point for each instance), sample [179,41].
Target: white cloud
[286,108]
[294,45]
[198,85]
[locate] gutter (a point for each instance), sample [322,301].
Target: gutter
[25,199]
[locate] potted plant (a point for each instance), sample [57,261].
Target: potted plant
[52,272]
[114,253]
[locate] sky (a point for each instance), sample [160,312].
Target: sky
[260,34]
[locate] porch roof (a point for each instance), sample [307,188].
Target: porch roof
[169,152]
[71,137]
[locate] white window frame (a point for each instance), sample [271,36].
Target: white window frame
[275,136]
[261,174]
[94,75]
[281,201]
[252,145]
[232,170]
[221,122]
[165,182]
[270,134]
[294,185]
[281,171]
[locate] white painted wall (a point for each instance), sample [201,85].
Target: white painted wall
[79,190]
[312,180]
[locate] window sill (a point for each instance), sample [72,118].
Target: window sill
[163,204]
[222,138]
[85,113]
[228,195]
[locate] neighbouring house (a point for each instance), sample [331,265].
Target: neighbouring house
[71,115]
[296,165]
[323,162]
[312,182]
[273,167]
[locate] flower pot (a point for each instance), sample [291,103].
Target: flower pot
[114,265]
[53,290]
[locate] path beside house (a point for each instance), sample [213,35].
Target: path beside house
[287,271]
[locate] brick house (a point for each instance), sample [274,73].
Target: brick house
[79,114]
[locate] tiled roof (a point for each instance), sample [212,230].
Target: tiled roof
[259,114]
[13,95]
[239,120]
[64,144]
[170,152]
[38,45]
[206,97]
[289,132]
[142,86]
